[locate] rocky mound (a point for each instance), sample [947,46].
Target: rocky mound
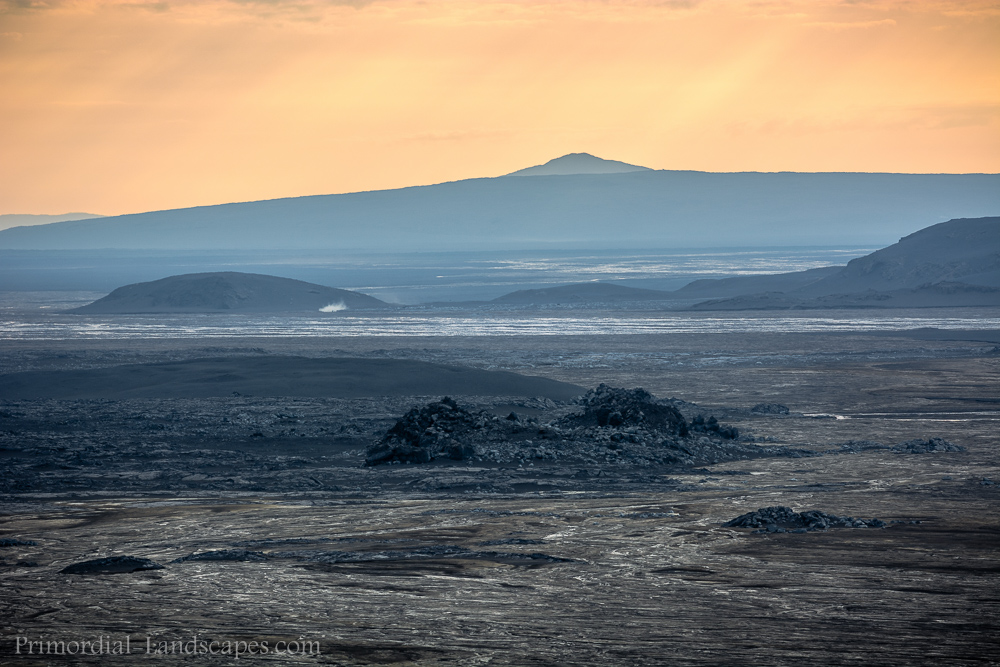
[926,446]
[438,429]
[228,292]
[622,408]
[782,519]
[112,565]
[611,426]
[917,446]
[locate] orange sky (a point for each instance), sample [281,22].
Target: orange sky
[116,107]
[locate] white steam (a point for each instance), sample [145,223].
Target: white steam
[334,307]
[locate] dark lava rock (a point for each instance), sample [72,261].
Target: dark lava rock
[240,555]
[12,542]
[711,425]
[857,446]
[769,409]
[430,432]
[621,427]
[27,563]
[925,446]
[112,565]
[785,520]
[619,408]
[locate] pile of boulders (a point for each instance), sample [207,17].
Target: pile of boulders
[609,426]
[769,409]
[931,445]
[926,446]
[780,519]
[439,429]
[622,408]
[711,425]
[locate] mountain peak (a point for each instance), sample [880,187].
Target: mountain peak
[578,163]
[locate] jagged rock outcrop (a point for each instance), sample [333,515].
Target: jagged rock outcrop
[619,408]
[611,426]
[925,446]
[437,429]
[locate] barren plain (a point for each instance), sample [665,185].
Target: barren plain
[535,562]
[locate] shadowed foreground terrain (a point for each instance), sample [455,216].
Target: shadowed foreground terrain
[268,526]
[277,376]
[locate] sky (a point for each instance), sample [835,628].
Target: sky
[125,106]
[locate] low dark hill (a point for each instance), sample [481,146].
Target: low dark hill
[278,376]
[228,292]
[581,293]
[739,285]
[936,295]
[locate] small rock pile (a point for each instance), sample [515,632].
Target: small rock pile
[622,408]
[711,425]
[782,519]
[926,446]
[917,446]
[769,409]
[430,432]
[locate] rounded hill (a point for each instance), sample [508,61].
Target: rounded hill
[228,291]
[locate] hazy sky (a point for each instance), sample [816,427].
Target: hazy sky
[115,107]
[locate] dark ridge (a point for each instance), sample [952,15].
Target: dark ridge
[228,292]
[951,264]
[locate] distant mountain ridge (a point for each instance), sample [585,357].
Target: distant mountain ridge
[640,208]
[228,292]
[8,220]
